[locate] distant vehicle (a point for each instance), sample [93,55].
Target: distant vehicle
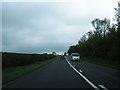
[62,57]
[75,57]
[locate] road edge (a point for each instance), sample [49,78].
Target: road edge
[88,81]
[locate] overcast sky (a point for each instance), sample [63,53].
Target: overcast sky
[43,27]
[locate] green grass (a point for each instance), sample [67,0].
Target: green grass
[19,59]
[107,63]
[13,73]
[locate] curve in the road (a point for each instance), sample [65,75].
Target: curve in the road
[88,81]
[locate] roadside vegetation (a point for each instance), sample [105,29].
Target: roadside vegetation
[19,59]
[104,62]
[16,65]
[101,43]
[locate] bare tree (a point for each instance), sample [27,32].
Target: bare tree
[101,26]
[105,24]
[117,16]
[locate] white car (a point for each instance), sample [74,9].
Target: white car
[75,56]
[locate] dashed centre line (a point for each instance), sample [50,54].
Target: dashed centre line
[80,70]
[103,87]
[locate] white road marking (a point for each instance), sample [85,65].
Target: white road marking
[88,81]
[103,87]
[80,70]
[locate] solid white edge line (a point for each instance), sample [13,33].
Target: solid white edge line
[103,87]
[88,81]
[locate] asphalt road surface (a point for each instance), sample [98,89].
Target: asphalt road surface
[60,74]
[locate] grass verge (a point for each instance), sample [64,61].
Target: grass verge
[13,73]
[107,63]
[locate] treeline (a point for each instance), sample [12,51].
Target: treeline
[103,42]
[17,59]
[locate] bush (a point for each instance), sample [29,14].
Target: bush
[15,59]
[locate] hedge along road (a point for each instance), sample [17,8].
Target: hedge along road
[57,74]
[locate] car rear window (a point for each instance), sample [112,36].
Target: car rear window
[75,54]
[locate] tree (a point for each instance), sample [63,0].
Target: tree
[104,26]
[117,16]
[101,26]
[103,42]
[54,53]
[83,38]
[96,25]
[65,53]
[89,34]
[73,49]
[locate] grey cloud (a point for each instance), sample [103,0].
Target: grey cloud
[41,27]
[40,48]
[14,12]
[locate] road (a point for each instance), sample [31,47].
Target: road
[59,74]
